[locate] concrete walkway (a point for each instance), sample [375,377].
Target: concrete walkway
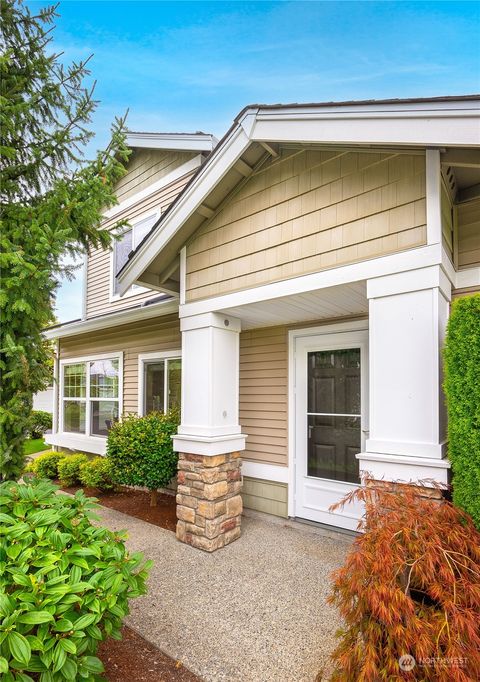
[254,611]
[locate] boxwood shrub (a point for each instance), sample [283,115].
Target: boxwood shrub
[140,450]
[69,468]
[46,465]
[97,473]
[64,584]
[462,389]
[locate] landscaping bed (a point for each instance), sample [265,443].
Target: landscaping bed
[135,503]
[133,658]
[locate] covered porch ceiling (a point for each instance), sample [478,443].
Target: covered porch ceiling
[343,300]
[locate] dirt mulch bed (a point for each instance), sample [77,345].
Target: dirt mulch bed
[133,659]
[136,503]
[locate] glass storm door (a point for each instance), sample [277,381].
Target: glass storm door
[330,423]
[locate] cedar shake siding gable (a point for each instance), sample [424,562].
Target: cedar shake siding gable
[307,211]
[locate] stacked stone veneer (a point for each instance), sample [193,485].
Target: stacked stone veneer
[209,505]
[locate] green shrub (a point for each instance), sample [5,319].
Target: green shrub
[97,473]
[69,469]
[64,584]
[462,389]
[141,450]
[39,423]
[46,465]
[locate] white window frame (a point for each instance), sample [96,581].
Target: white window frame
[135,289]
[117,355]
[144,358]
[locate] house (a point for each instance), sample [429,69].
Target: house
[290,285]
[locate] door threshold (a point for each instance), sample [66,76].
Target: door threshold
[326,526]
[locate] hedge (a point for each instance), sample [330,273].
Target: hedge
[140,450]
[462,389]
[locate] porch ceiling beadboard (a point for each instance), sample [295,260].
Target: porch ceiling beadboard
[306,211]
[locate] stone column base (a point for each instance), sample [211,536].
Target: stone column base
[209,505]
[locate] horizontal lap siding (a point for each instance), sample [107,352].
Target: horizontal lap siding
[99,261]
[146,166]
[263,394]
[306,212]
[157,334]
[468,220]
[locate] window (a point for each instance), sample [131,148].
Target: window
[160,382]
[130,239]
[91,395]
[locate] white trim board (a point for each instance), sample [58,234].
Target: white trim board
[186,142]
[265,472]
[115,319]
[179,172]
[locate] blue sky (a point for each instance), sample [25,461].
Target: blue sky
[187,66]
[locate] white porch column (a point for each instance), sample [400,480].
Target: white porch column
[209,438]
[408,315]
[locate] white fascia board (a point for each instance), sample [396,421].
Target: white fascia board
[455,129]
[114,320]
[179,172]
[172,141]
[376,267]
[209,175]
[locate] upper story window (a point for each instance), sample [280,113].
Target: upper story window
[90,397]
[130,239]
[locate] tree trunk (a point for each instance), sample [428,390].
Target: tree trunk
[153,498]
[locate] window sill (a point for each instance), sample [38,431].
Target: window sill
[76,441]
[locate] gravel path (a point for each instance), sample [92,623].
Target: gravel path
[254,611]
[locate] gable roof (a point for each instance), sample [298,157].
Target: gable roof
[408,123]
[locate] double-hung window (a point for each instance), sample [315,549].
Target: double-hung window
[130,238]
[91,394]
[160,381]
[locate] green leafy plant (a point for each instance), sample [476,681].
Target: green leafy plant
[69,468]
[462,389]
[410,586]
[46,465]
[97,473]
[140,450]
[39,423]
[53,200]
[64,584]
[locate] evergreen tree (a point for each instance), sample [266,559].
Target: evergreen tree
[51,203]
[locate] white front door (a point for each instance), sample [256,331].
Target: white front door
[330,423]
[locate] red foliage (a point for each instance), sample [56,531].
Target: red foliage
[409,586]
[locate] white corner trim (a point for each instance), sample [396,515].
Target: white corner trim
[183,274]
[265,472]
[209,446]
[77,442]
[141,312]
[433,196]
[176,174]
[146,357]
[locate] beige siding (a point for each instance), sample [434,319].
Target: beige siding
[99,262]
[306,212]
[468,222]
[146,166]
[158,334]
[458,293]
[263,393]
